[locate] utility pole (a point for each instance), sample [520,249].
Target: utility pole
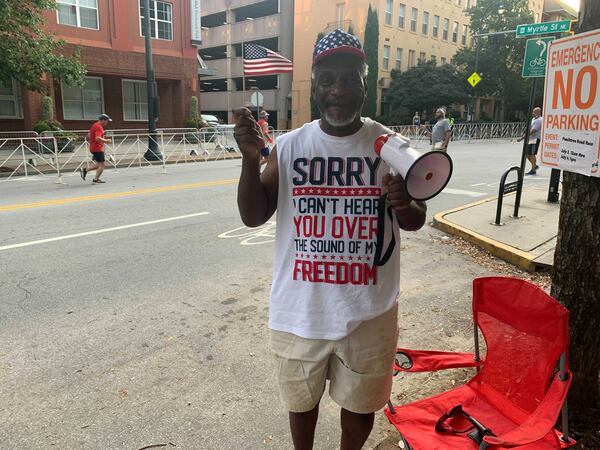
[153,153]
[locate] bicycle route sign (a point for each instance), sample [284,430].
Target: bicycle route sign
[536,55]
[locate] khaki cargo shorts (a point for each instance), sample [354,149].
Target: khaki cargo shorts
[358,366]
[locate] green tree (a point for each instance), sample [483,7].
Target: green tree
[27,51]
[314,110]
[501,56]
[371,47]
[426,87]
[576,279]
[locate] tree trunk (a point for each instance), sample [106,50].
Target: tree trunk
[576,274]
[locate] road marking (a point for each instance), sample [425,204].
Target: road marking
[87,198]
[478,184]
[104,230]
[264,234]
[461,192]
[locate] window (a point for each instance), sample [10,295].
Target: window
[78,13]
[83,103]
[463,39]
[161,20]
[401,14]
[389,7]
[411,58]
[135,100]
[413,20]
[10,101]
[386,57]
[422,57]
[455,32]
[433,59]
[445,25]
[459,2]
[443,60]
[436,26]
[425,25]
[398,59]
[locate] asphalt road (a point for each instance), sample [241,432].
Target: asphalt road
[134,313]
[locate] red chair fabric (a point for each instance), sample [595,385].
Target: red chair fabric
[516,393]
[429,361]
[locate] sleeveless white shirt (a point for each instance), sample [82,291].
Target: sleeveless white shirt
[325,282]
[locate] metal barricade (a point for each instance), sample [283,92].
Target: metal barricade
[27,156]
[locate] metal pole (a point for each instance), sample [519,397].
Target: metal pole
[525,145]
[152,154]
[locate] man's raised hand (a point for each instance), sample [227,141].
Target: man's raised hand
[247,133]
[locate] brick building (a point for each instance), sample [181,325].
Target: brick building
[109,36]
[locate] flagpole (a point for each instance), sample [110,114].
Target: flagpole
[243,78]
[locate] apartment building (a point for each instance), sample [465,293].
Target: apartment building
[110,37]
[409,31]
[226,26]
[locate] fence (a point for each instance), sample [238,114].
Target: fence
[55,154]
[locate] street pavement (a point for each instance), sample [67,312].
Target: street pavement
[134,313]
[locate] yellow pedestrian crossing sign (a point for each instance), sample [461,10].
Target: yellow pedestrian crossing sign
[474,79]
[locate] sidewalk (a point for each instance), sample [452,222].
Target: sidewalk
[527,242]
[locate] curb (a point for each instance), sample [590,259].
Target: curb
[510,254]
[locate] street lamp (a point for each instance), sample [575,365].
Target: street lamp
[153,153]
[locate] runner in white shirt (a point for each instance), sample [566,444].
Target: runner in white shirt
[333,312]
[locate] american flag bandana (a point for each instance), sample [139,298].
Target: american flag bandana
[338,41]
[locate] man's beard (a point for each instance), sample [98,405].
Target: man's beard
[339,123]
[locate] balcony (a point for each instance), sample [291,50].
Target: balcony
[217,6]
[217,101]
[219,68]
[248,30]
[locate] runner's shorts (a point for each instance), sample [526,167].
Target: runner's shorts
[358,366]
[532,149]
[98,156]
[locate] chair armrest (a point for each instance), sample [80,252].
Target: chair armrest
[428,361]
[541,421]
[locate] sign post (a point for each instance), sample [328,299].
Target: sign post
[571,131]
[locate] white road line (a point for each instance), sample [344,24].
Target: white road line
[461,192]
[478,184]
[104,230]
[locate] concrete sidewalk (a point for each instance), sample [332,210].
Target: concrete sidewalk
[527,242]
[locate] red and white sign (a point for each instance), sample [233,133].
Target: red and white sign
[571,131]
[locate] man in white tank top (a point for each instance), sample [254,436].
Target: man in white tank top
[333,312]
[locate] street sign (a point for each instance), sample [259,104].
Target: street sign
[570,134]
[474,79]
[536,55]
[257,99]
[530,29]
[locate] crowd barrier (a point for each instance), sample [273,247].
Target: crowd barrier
[59,153]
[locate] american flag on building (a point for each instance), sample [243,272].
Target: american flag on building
[259,60]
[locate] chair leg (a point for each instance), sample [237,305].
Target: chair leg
[391,407]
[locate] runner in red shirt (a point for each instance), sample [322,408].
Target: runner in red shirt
[97,141]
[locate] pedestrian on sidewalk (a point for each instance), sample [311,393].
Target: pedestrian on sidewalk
[97,141]
[533,144]
[441,132]
[333,313]
[263,123]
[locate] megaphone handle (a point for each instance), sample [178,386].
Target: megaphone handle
[379,260]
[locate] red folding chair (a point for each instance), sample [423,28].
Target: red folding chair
[520,387]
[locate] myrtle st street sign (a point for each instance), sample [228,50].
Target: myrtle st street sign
[530,29]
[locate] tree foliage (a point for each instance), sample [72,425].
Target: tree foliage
[371,47]
[27,51]
[426,87]
[501,56]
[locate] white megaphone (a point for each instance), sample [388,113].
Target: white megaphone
[425,175]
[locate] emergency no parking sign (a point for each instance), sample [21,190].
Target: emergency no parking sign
[571,132]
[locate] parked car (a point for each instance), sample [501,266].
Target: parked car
[211,120]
